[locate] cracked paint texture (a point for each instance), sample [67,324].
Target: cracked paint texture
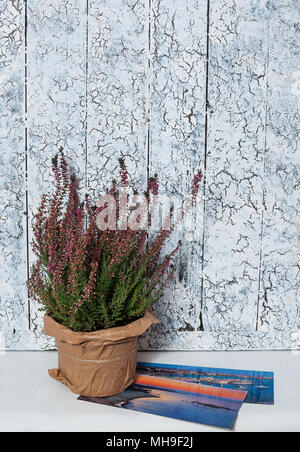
[56,103]
[13,296]
[117,91]
[236,141]
[280,288]
[173,87]
[177,135]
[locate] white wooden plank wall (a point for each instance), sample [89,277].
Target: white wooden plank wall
[173,87]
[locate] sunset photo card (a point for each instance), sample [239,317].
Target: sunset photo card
[178,400]
[258,385]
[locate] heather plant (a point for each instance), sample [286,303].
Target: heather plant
[88,278]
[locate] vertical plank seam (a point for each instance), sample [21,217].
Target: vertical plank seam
[86,93]
[148,98]
[26,151]
[149,90]
[207,105]
[263,181]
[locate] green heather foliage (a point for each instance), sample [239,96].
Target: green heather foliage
[89,279]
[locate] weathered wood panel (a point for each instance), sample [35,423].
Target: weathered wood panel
[222,341]
[280,289]
[57,80]
[117,91]
[177,145]
[236,147]
[13,269]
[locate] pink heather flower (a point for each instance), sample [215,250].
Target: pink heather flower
[196,185]
[123,172]
[79,266]
[153,186]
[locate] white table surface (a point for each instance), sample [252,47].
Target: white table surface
[32,402]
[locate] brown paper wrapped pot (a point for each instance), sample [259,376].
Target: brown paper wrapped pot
[97,364]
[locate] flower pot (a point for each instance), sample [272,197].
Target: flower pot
[97,364]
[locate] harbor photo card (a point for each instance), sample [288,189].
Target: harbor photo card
[178,400]
[258,385]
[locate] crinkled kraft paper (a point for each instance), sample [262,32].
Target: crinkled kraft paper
[97,364]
